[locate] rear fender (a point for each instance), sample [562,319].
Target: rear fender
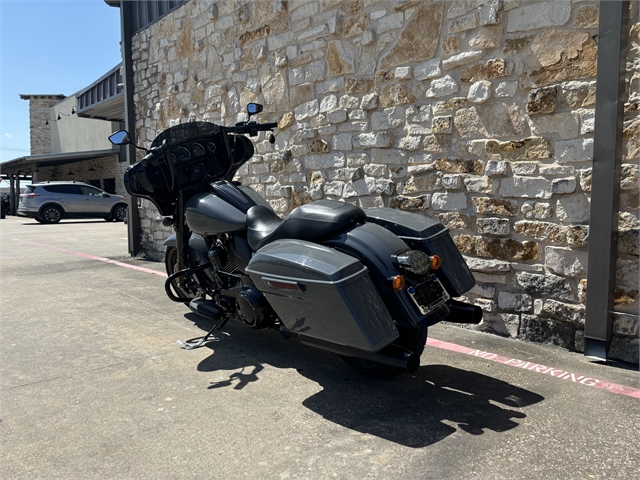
[376,248]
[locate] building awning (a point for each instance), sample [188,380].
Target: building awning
[30,163]
[104,98]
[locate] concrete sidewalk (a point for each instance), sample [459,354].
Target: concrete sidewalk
[93,385]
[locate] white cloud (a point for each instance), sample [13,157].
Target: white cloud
[8,135]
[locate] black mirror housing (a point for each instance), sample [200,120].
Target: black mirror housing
[121,137]
[254,108]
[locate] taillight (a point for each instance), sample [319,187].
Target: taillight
[30,195]
[414,262]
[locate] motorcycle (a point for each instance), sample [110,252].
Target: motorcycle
[364,284]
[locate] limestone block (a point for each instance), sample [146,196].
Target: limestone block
[380,185]
[480,91]
[565,261]
[566,312]
[578,94]
[396,94]
[515,302]
[481,184]
[493,68]
[538,15]
[556,56]
[413,45]
[497,119]
[301,93]
[390,22]
[573,208]
[355,189]
[542,100]
[506,89]
[548,285]
[410,143]
[373,140]
[369,102]
[461,7]
[340,58]
[579,150]
[491,278]
[563,185]
[587,17]
[458,221]
[497,248]
[564,124]
[358,85]
[461,24]
[337,116]
[543,231]
[442,125]
[450,45]
[317,162]
[587,120]
[463,58]
[403,73]
[485,265]
[357,25]
[625,324]
[487,38]
[388,118]
[375,170]
[410,203]
[357,114]
[628,242]
[490,13]
[449,201]
[486,291]
[524,168]
[348,101]
[485,304]
[557,170]
[418,114]
[450,105]
[437,143]
[493,226]
[631,140]
[526,187]
[455,165]
[307,110]
[342,142]
[495,206]
[537,210]
[442,87]
[451,182]
[578,235]
[629,177]
[332,85]
[334,188]
[495,168]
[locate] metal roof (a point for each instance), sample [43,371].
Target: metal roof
[104,98]
[50,160]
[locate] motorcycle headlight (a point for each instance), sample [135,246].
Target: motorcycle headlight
[414,262]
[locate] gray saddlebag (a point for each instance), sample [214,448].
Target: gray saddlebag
[321,293]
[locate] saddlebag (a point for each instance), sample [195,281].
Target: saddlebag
[322,293]
[420,232]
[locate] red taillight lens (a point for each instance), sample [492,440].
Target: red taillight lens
[31,195]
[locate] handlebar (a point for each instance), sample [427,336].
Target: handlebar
[252,128]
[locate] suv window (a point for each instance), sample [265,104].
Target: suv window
[69,189]
[86,190]
[29,189]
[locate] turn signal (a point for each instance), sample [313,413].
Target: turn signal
[398,283]
[436,262]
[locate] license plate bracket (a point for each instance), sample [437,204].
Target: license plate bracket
[428,295]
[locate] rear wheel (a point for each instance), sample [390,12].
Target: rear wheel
[51,214]
[413,339]
[171,266]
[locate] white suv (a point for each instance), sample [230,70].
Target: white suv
[50,202]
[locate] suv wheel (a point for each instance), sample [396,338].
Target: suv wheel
[119,213]
[51,214]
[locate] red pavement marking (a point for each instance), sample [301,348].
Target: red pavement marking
[537,368]
[432,342]
[91,257]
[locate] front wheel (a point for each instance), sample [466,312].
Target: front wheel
[119,213]
[413,339]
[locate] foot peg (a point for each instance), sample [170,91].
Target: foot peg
[211,311]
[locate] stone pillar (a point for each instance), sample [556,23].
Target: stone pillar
[34,176]
[39,111]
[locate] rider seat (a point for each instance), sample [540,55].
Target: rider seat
[307,222]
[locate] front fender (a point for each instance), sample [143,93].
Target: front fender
[171,241]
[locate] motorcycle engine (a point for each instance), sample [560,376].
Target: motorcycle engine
[253,309]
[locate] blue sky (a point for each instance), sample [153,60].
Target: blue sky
[50,47]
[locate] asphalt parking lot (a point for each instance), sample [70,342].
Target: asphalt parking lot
[94,386]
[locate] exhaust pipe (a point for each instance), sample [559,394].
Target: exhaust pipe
[391,356]
[461,312]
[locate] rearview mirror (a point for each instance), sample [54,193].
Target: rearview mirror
[120,138]
[254,108]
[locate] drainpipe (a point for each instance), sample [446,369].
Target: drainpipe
[126,27]
[605,191]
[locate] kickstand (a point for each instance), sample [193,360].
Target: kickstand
[198,342]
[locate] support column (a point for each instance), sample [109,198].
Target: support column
[605,193]
[17,198]
[12,195]
[34,176]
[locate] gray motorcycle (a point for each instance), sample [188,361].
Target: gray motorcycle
[364,284]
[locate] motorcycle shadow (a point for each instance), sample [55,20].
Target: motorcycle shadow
[411,410]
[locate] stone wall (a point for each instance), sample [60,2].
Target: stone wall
[39,113]
[480,113]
